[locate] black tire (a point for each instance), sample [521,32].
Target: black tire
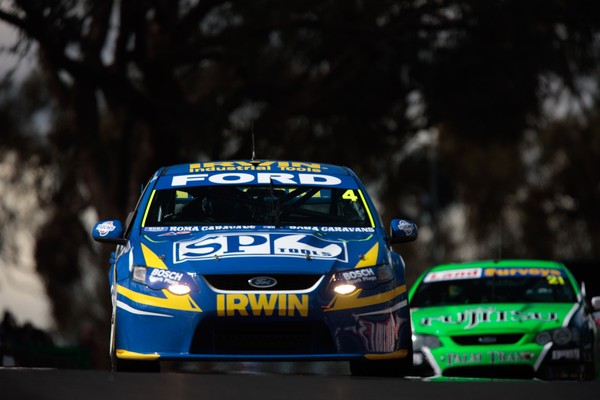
[589,372]
[382,368]
[136,365]
[405,365]
[112,347]
[385,368]
[397,367]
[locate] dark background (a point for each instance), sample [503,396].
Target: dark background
[476,119]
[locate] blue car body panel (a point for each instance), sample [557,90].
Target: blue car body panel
[262,292]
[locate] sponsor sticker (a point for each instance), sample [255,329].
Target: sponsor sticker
[453,359]
[155,229]
[205,228]
[489,357]
[158,278]
[263,304]
[406,227]
[452,275]
[567,354]
[250,166]
[511,357]
[356,276]
[105,228]
[259,244]
[520,272]
[239,178]
[554,275]
[473,317]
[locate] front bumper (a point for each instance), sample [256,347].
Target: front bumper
[506,362]
[262,325]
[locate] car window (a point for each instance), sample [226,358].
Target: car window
[549,289]
[258,205]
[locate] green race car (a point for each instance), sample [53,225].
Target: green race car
[502,319]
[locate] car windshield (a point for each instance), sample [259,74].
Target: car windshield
[549,289]
[258,205]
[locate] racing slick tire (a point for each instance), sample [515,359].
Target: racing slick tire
[382,368]
[136,366]
[589,372]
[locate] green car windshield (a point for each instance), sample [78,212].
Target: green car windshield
[549,289]
[258,205]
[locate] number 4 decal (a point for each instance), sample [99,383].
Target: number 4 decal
[349,195]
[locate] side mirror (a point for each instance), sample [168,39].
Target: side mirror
[402,231]
[109,232]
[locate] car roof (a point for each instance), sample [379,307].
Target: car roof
[255,165]
[520,263]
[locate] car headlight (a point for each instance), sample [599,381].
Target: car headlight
[543,338]
[429,341]
[176,282]
[344,288]
[139,274]
[346,282]
[560,336]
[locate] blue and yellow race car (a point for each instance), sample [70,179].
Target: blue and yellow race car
[262,261]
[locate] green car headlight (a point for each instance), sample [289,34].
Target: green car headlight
[429,341]
[543,338]
[560,336]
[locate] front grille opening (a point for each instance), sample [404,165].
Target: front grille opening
[493,339]
[223,337]
[239,282]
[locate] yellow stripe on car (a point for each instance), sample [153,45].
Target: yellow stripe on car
[396,354]
[169,300]
[345,302]
[148,207]
[151,259]
[130,355]
[367,208]
[370,258]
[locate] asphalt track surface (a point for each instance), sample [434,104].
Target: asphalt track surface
[42,384]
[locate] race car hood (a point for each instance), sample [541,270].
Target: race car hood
[318,251]
[490,318]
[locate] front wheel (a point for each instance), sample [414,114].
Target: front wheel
[387,368]
[395,367]
[121,365]
[588,372]
[136,365]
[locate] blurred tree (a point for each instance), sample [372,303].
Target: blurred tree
[425,99]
